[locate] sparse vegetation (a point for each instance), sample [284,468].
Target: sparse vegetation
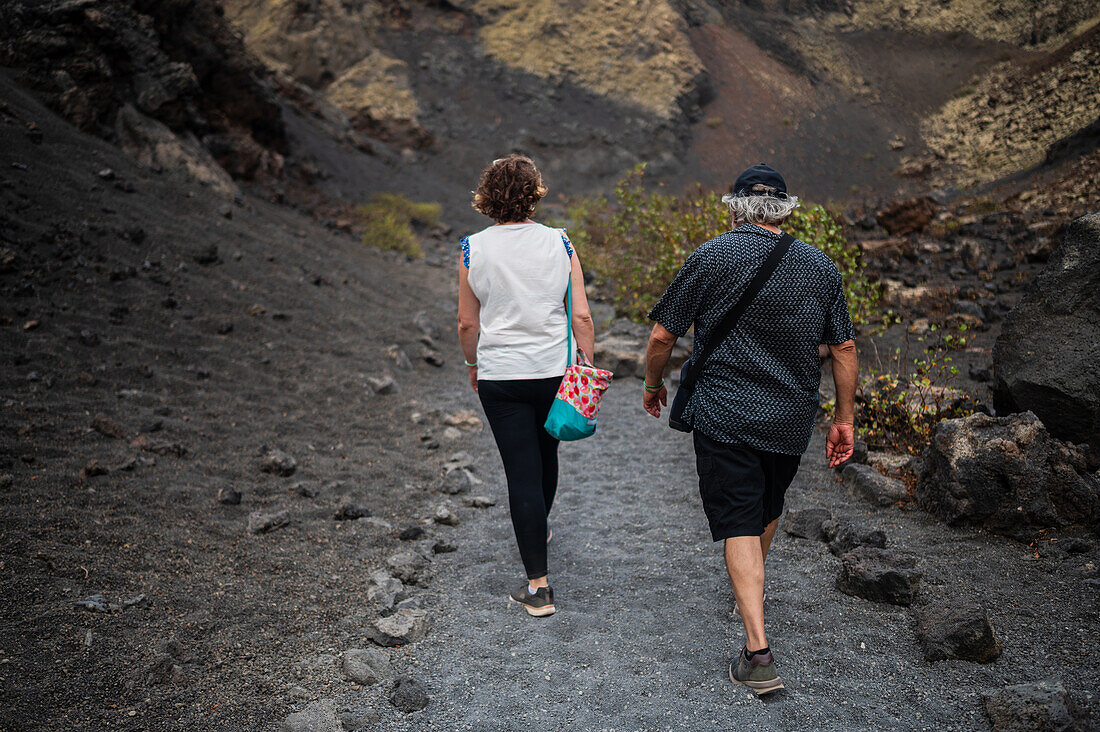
[898,407]
[389,218]
[637,242]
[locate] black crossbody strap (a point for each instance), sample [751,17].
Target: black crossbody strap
[729,321]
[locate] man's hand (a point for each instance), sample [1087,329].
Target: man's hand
[473,377]
[654,400]
[840,443]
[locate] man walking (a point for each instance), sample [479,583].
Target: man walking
[754,401]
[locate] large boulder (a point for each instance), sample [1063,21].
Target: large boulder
[879,575]
[960,630]
[1045,359]
[1006,474]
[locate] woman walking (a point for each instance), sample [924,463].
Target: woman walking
[513,328]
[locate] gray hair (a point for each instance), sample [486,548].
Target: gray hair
[771,210]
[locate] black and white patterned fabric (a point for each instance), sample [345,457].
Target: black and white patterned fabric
[760,386]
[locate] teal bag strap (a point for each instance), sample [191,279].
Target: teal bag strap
[568,306]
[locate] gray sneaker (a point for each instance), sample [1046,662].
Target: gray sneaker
[539,604]
[757,673]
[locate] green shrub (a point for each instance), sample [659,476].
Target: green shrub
[388,222]
[636,243]
[898,408]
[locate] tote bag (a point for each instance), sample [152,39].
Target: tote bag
[573,414]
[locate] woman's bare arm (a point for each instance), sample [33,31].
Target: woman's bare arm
[584,330]
[469,322]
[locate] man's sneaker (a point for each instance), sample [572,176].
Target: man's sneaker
[757,673]
[539,604]
[737,610]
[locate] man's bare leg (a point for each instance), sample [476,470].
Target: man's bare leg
[766,538]
[745,564]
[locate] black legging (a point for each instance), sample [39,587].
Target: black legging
[516,411]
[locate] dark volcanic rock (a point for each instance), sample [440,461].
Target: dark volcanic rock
[409,695]
[1035,707]
[1045,358]
[1007,474]
[350,512]
[320,716]
[409,567]
[806,524]
[873,486]
[260,522]
[879,575]
[179,65]
[842,537]
[367,665]
[104,425]
[907,217]
[278,462]
[229,496]
[404,626]
[957,630]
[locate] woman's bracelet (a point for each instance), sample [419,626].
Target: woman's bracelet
[653,388]
[474,365]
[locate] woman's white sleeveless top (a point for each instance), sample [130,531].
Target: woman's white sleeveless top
[519,273]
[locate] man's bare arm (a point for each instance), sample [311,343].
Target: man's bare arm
[657,354]
[840,442]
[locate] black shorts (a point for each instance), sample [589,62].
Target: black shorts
[742,487]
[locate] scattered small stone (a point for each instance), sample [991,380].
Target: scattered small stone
[165,670]
[27,457]
[225,328]
[459,461]
[89,338]
[429,442]
[409,695]
[320,716]
[351,511]
[426,325]
[1043,706]
[403,627]
[879,575]
[106,174]
[206,255]
[409,567]
[959,630]
[305,490]
[6,481]
[260,522]
[31,324]
[442,546]
[434,358]
[278,463]
[106,426]
[412,533]
[873,486]
[257,309]
[445,515]
[359,719]
[151,426]
[458,481]
[399,357]
[384,589]
[367,665]
[842,537]
[159,447]
[463,418]
[1073,545]
[384,384]
[452,434]
[93,468]
[98,603]
[478,502]
[806,524]
[229,496]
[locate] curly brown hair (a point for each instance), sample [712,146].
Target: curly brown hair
[509,190]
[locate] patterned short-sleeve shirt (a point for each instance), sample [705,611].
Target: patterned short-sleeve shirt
[760,386]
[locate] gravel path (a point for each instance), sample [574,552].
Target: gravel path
[644,629]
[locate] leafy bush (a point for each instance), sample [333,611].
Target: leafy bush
[897,410]
[388,222]
[637,243]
